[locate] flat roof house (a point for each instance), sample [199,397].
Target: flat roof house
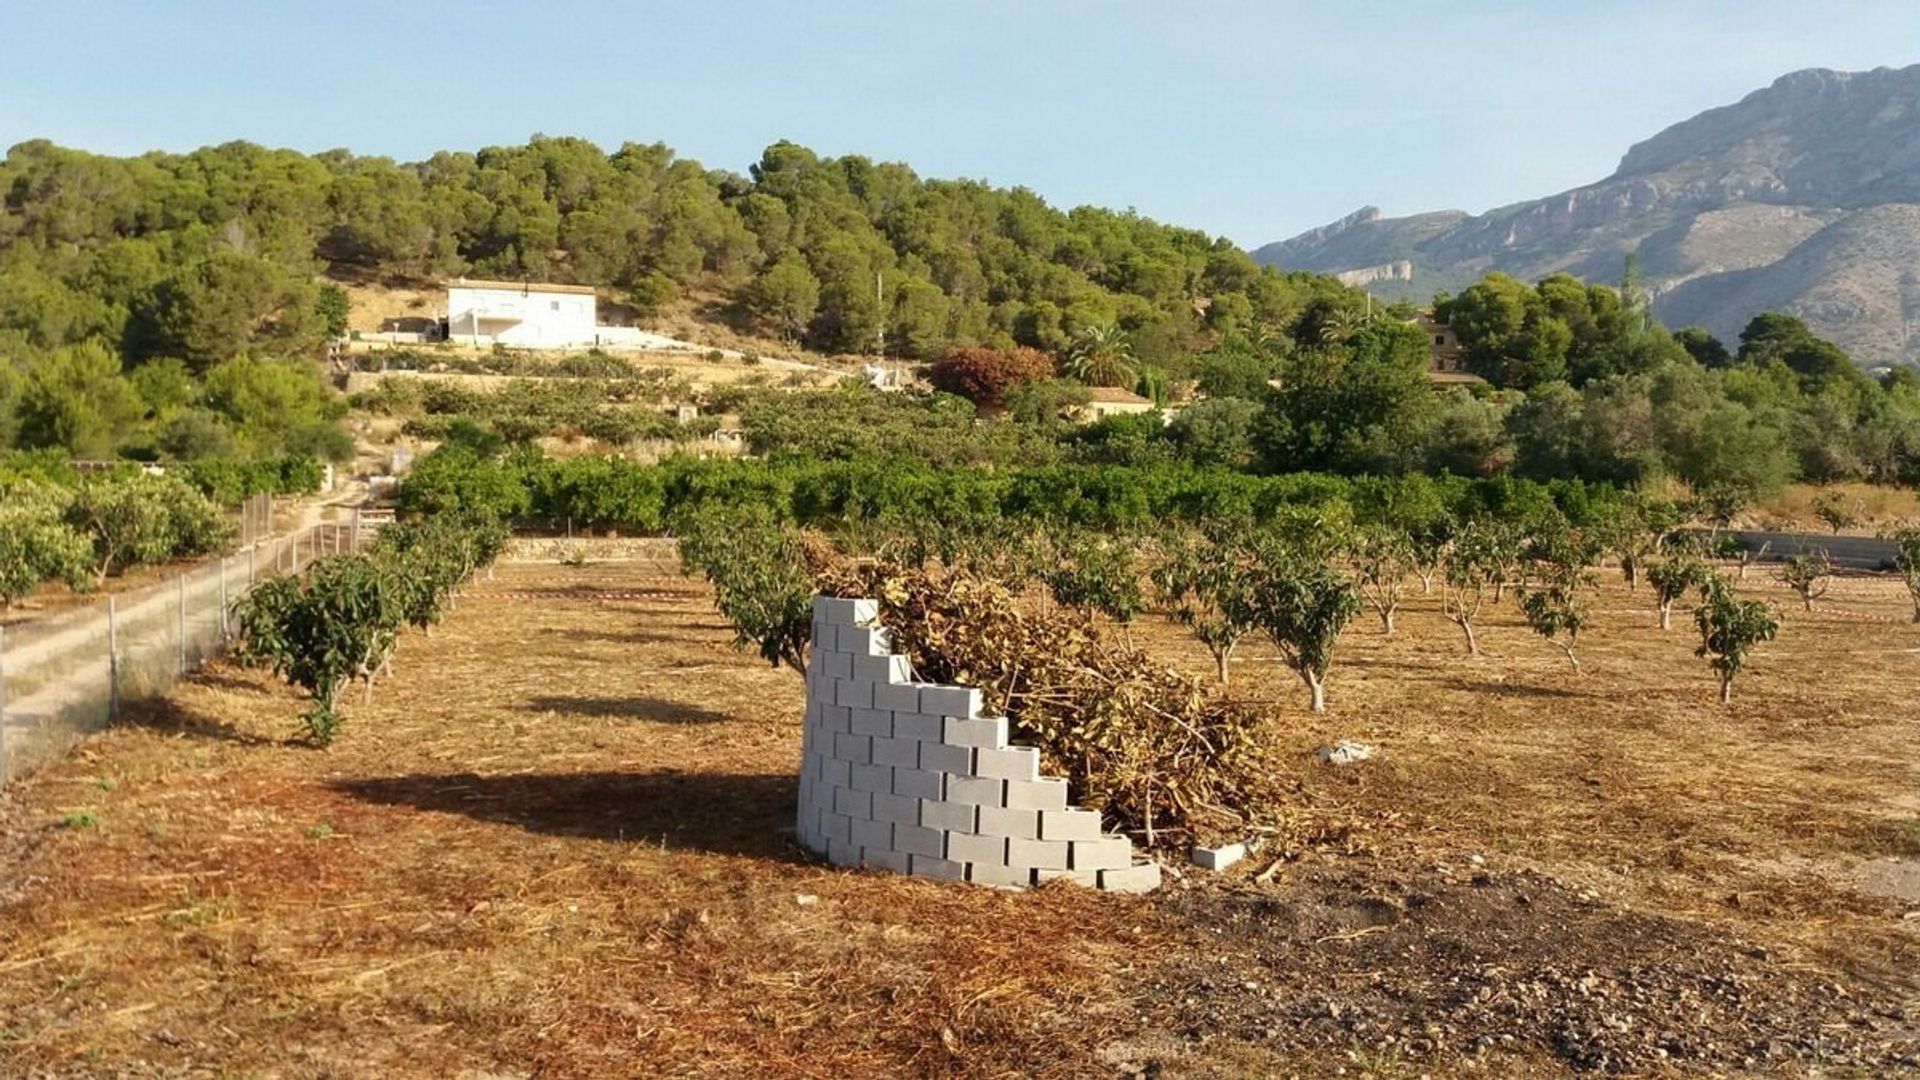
[532,315]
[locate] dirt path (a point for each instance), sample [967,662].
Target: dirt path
[558,845]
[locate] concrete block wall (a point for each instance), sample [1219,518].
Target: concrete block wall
[914,778]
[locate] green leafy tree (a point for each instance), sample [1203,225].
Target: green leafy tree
[1205,581]
[1673,577]
[783,299]
[1383,557]
[332,307]
[37,545]
[1471,567]
[1832,508]
[1302,605]
[1809,574]
[1730,629]
[1094,572]
[1906,559]
[759,577]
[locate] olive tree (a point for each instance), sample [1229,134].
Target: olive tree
[1730,628]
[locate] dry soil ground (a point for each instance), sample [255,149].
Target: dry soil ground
[558,845]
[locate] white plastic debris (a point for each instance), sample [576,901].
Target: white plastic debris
[1345,752]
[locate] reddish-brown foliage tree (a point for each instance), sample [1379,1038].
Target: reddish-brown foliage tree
[986,376]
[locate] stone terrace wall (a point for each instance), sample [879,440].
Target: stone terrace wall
[911,777]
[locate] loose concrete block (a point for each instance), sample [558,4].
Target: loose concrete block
[918,840]
[1088,878]
[991,734]
[1133,879]
[943,869]
[1044,793]
[857,749]
[872,722]
[872,778]
[969,848]
[1011,763]
[950,816]
[853,804]
[1072,823]
[836,718]
[842,853]
[975,790]
[853,693]
[835,773]
[858,641]
[896,697]
[1218,858]
[1111,853]
[896,809]
[904,753]
[940,757]
[914,725]
[961,701]
[996,821]
[835,826]
[883,670]
[1039,854]
[1011,877]
[832,665]
[918,784]
[882,859]
[873,835]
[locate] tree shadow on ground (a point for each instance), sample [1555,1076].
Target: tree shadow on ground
[657,710]
[718,812]
[620,637]
[1515,689]
[165,715]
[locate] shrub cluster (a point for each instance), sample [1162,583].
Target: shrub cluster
[101,525]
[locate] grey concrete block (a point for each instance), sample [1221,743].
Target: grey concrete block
[1132,879]
[959,701]
[1039,854]
[872,778]
[873,722]
[897,697]
[919,784]
[842,853]
[854,748]
[832,665]
[834,772]
[897,809]
[1045,793]
[996,821]
[843,612]
[822,688]
[1111,853]
[1218,858]
[883,670]
[915,725]
[969,848]
[853,693]
[836,718]
[990,733]
[857,641]
[1007,877]
[917,840]
[904,753]
[835,826]
[940,757]
[1072,823]
[882,859]
[873,835]
[975,790]
[1088,878]
[950,816]
[853,804]
[942,869]
[1010,763]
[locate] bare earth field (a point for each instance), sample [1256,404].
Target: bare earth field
[559,844]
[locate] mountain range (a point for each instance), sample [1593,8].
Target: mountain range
[1802,197]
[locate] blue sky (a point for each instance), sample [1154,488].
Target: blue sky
[1255,120]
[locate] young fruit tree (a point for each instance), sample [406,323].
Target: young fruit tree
[1302,605]
[1467,572]
[37,546]
[317,632]
[1555,606]
[1633,529]
[1382,558]
[760,579]
[1833,510]
[1204,581]
[1906,559]
[1673,578]
[1730,628]
[1093,572]
[1809,574]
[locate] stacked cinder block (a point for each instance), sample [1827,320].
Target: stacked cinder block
[911,777]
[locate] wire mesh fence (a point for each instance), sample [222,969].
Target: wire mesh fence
[67,675]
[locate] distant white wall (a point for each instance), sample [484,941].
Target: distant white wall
[528,318]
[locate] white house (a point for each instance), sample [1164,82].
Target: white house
[527,314]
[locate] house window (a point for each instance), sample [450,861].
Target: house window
[1439,339]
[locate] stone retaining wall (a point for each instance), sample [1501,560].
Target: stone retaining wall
[910,777]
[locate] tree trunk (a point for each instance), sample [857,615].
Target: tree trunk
[1666,616]
[1726,689]
[1630,566]
[1317,689]
[1473,644]
[1571,659]
[1220,663]
[1426,582]
[1499,589]
[1386,618]
[1806,601]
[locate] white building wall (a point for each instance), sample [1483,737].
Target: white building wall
[529,318]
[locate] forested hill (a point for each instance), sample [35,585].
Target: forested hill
[1802,197]
[141,251]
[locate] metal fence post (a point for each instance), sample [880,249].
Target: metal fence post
[250,553]
[113,660]
[353,534]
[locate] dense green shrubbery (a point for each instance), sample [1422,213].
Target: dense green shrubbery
[96,525]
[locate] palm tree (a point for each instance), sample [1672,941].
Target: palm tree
[1340,324]
[1102,356]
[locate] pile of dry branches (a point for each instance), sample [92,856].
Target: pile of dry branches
[1158,751]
